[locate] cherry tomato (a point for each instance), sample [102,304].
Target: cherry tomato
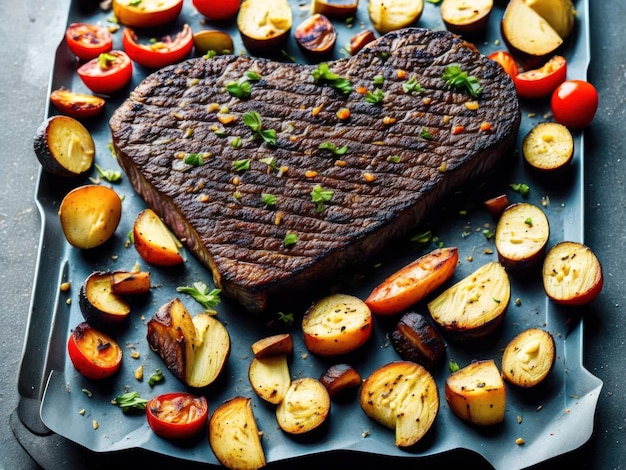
[88,41]
[146,13]
[177,415]
[107,73]
[214,10]
[539,83]
[76,105]
[574,103]
[94,354]
[168,50]
[506,61]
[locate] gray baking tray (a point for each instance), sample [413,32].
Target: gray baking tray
[555,419]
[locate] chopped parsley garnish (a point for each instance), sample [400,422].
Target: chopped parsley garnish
[379,80]
[194,159]
[105,60]
[271,162]
[393,159]
[333,148]
[269,199]
[112,176]
[412,86]
[322,73]
[488,234]
[241,165]
[375,97]
[521,188]
[320,197]
[236,142]
[130,401]
[453,366]
[242,88]
[425,134]
[200,292]
[529,222]
[156,377]
[290,239]
[454,76]
[252,119]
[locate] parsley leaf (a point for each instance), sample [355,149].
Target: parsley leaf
[252,119]
[320,197]
[130,401]
[201,294]
[322,73]
[375,97]
[412,86]
[290,239]
[454,76]
[333,148]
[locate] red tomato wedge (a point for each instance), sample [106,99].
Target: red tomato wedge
[88,41]
[94,354]
[177,415]
[165,51]
[76,105]
[506,61]
[541,82]
[574,103]
[414,282]
[107,73]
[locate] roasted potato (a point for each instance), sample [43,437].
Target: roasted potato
[477,393]
[560,14]
[89,215]
[154,242]
[335,8]
[389,15]
[146,13]
[316,35]
[529,357]
[305,407]
[276,345]
[339,378]
[401,396]
[522,235]
[99,305]
[213,40]
[234,436]
[548,146]
[270,378]
[264,26]
[466,16]
[415,339]
[475,306]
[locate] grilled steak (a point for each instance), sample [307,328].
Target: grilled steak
[403,154]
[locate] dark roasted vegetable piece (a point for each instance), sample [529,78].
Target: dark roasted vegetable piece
[339,378]
[415,339]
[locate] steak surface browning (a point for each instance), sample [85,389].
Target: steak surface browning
[403,155]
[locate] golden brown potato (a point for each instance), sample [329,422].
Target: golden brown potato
[466,16]
[548,146]
[335,8]
[305,407]
[270,378]
[275,345]
[389,15]
[560,14]
[213,40]
[477,393]
[264,26]
[89,215]
[401,396]
[339,378]
[528,358]
[316,35]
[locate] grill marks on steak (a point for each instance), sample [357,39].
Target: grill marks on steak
[220,212]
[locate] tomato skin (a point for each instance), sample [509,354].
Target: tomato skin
[76,105]
[88,41]
[506,61]
[115,75]
[217,10]
[574,103]
[177,415]
[94,354]
[169,50]
[541,82]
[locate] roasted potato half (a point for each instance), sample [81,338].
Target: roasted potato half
[335,8]
[415,339]
[475,306]
[466,16]
[401,396]
[529,357]
[305,407]
[548,146]
[270,378]
[560,14]
[477,393]
[389,15]
[339,378]
[234,436]
[264,26]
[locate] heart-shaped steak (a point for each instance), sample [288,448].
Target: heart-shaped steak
[279,174]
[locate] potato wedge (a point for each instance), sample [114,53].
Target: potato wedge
[264,26]
[130,282]
[213,40]
[316,35]
[466,16]
[529,357]
[336,324]
[100,306]
[526,33]
[521,237]
[497,204]
[548,146]
[195,349]
[89,215]
[339,378]
[389,15]
[234,436]
[560,14]
[154,241]
[275,345]
[572,274]
[475,306]
[269,377]
[360,40]
[477,393]
[335,8]
[401,396]
[305,406]
[413,282]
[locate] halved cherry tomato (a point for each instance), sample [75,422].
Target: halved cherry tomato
[76,105]
[213,10]
[168,50]
[146,13]
[107,73]
[413,282]
[88,41]
[574,103]
[506,61]
[94,354]
[539,83]
[177,415]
